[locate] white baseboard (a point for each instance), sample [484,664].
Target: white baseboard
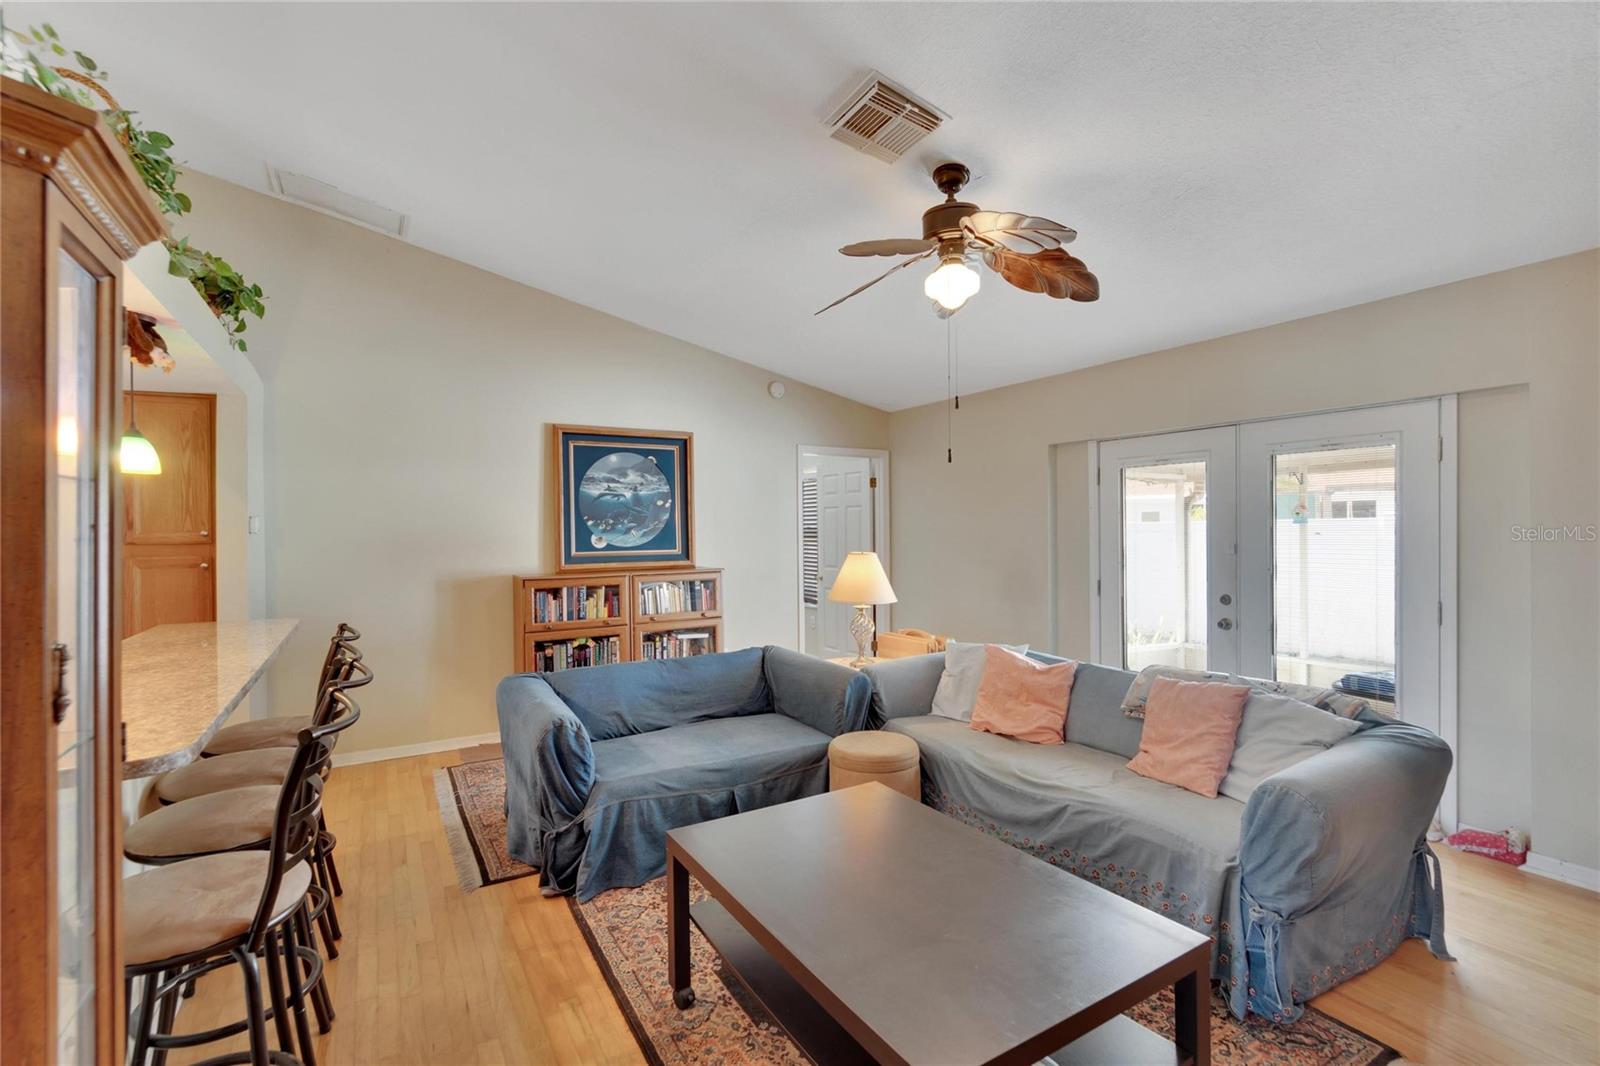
[1558,870]
[405,751]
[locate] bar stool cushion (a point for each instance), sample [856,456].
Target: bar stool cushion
[196,904]
[259,733]
[264,766]
[871,755]
[220,821]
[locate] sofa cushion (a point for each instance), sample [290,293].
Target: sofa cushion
[1096,719]
[1275,733]
[629,698]
[1023,698]
[1095,804]
[963,672]
[1190,730]
[717,753]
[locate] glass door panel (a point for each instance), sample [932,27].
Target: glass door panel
[74,639]
[1333,577]
[1166,536]
[1340,554]
[1164,565]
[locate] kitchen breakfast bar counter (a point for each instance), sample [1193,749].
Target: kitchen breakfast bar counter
[180,683]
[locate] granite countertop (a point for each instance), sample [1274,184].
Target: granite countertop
[180,683]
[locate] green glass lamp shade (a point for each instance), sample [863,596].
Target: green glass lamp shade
[138,454]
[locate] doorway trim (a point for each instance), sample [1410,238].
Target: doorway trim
[879,458]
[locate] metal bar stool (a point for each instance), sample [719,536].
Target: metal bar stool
[280,732]
[263,768]
[196,915]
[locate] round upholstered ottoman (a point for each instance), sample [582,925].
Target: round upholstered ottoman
[891,758]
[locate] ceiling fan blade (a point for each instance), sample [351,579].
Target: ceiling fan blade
[1018,232]
[874,281]
[1054,273]
[888,247]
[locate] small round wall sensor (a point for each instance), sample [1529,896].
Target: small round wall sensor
[776,390]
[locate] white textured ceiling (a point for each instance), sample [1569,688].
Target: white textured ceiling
[1227,166]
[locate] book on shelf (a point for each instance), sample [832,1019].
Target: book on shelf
[675,644]
[577,603]
[552,655]
[677,597]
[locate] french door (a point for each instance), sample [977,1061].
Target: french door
[1307,550]
[1168,583]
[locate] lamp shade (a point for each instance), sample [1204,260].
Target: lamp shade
[138,455]
[861,580]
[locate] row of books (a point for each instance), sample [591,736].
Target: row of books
[675,597]
[571,654]
[675,645]
[576,603]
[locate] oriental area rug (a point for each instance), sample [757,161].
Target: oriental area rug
[626,929]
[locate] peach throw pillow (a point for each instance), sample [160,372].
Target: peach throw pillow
[1189,732]
[1021,698]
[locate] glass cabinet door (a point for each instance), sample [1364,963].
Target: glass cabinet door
[73,644]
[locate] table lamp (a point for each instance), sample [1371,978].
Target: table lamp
[861,581]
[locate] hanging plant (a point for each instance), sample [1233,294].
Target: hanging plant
[24,56]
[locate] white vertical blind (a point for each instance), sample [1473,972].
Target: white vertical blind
[810,542]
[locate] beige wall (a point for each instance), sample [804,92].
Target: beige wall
[980,544]
[408,400]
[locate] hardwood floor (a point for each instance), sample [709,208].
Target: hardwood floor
[431,975]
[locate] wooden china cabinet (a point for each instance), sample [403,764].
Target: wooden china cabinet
[73,209]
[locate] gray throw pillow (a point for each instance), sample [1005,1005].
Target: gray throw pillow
[1275,733]
[958,685]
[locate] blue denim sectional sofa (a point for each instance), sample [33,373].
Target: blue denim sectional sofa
[601,762]
[1319,876]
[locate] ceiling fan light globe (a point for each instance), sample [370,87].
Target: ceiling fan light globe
[952,285]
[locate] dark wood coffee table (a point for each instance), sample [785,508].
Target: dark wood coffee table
[879,930]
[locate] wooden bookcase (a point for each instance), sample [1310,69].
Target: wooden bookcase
[615,616]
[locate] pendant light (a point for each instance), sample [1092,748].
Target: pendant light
[138,455]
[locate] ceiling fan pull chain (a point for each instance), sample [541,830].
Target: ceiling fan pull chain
[949,388]
[955,375]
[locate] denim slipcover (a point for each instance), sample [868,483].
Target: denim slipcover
[601,762]
[1318,877]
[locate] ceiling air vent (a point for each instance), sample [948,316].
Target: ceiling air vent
[331,200]
[882,119]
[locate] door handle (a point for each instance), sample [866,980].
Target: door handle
[205,566]
[60,701]
[1224,623]
[205,532]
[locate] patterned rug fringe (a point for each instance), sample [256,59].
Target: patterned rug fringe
[455,833]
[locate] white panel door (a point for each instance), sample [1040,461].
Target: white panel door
[1339,547]
[1167,551]
[845,522]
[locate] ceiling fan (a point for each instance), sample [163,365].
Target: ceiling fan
[1023,249]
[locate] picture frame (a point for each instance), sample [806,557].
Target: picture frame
[624,497]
